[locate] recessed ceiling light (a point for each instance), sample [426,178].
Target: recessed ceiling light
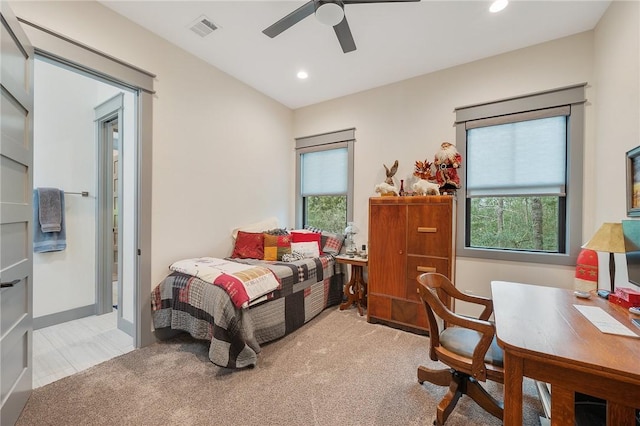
[498,5]
[302,75]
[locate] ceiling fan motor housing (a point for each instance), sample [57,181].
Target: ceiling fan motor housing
[329,12]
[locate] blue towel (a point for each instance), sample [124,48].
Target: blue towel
[48,241]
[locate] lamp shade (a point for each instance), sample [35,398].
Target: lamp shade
[330,13]
[351,229]
[609,238]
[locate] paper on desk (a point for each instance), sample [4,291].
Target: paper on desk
[605,322]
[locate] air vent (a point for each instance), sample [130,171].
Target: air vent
[203,26]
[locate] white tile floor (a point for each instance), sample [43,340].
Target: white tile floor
[65,349]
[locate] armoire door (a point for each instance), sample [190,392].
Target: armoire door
[387,257]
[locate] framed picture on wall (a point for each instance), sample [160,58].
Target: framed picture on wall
[633,182]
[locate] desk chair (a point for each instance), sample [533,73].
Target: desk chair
[467,345]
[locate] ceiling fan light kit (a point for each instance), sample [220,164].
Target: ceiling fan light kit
[498,5]
[329,13]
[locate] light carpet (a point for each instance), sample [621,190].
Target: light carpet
[336,370]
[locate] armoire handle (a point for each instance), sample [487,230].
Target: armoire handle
[426,229]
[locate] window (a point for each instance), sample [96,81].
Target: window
[324,184]
[522,186]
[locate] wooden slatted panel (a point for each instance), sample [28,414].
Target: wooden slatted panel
[16,159]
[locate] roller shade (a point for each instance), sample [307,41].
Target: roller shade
[324,172]
[520,158]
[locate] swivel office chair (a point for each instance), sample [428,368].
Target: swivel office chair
[465,344]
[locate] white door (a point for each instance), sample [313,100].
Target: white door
[16,183]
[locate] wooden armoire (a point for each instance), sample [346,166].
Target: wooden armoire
[407,236]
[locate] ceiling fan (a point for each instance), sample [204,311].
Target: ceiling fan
[329,13]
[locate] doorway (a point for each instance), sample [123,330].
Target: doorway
[78,56]
[74,148]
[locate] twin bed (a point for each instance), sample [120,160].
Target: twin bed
[183,302]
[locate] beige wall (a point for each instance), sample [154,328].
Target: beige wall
[218,145]
[617,112]
[216,139]
[408,120]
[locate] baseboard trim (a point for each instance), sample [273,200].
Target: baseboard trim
[64,316]
[126,326]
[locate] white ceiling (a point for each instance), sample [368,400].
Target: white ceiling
[394,41]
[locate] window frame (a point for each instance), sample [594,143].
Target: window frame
[324,142]
[502,111]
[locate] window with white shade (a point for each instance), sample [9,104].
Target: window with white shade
[324,165]
[522,187]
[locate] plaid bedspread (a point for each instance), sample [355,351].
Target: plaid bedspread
[205,311]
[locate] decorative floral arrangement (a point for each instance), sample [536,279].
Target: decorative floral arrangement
[424,170]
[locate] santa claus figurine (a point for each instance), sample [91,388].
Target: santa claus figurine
[446,163]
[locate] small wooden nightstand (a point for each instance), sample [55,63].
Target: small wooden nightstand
[356,289]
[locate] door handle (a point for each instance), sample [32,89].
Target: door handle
[9,284]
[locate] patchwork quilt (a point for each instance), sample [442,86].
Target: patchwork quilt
[187,303]
[243,283]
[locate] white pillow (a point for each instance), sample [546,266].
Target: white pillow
[265,225]
[308,249]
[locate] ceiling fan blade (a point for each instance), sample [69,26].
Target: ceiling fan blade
[376,1]
[343,32]
[290,20]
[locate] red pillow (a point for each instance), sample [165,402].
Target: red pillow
[305,237]
[249,245]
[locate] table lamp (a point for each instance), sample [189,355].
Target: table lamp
[350,244]
[609,238]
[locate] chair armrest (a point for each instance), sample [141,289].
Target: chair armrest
[453,292]
[478,324]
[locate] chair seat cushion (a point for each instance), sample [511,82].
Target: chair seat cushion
[463,341]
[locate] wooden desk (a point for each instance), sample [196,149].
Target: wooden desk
[355,289]
[544,337]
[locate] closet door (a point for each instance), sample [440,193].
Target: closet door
[16,254]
